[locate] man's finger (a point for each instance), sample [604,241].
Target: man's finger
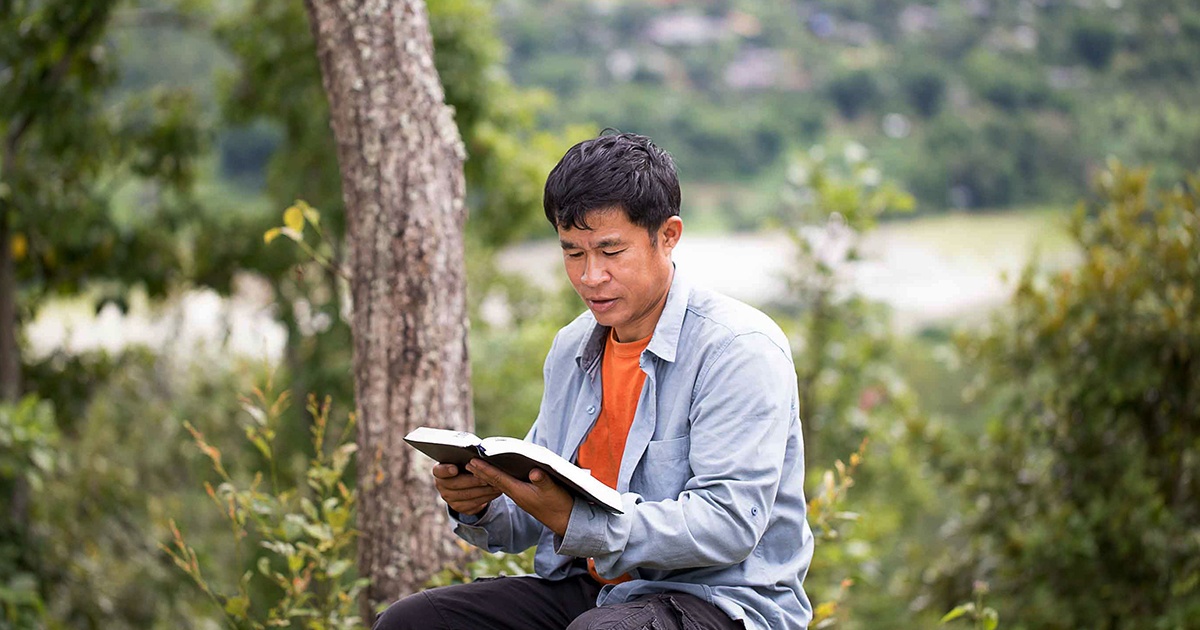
[461,480]
[486,493]
[540,478]
[491,475]
[445,471]
[538,494]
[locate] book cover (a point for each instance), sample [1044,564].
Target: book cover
[515,457]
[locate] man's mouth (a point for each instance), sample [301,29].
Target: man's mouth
[601,305]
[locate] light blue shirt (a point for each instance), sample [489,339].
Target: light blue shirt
[712,475]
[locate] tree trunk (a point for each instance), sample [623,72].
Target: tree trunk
[10,351]
[401,160]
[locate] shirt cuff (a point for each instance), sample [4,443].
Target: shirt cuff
[585,533]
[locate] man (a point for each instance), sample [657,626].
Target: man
[683,400]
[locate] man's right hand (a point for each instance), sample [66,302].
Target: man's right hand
[463,492]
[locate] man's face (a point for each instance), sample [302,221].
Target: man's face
[621,273]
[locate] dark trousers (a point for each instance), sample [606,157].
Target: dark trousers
[531,603]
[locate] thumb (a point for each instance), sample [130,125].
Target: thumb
[538,477]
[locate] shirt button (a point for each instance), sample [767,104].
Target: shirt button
[592,409]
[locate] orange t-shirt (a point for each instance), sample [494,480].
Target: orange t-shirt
[621,378]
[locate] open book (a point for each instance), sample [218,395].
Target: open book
[515,457]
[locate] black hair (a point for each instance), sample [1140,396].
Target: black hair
[619,170]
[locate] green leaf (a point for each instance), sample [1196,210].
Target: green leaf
[237,606]
[293,218]
[958,611]
[255,412]
[259,443]
[42,458]
[310,213]
[310,510]
[318,531]
[338,567]
[293,526]
[338,518]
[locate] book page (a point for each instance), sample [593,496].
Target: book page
[430,435]
[447,447]
[566,473]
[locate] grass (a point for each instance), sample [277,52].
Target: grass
[992,235]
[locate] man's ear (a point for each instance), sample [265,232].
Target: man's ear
[670,233]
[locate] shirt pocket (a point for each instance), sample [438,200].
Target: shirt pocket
[664,469]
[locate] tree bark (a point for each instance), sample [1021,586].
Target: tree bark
[401,161]
[10,350]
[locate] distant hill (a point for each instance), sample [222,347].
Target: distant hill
[971,103]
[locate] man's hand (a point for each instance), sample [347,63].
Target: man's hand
[543,499]
[464,493]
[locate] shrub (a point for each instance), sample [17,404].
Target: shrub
[304,538]
[1085,491]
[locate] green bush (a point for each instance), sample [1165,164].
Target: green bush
[1094,42]
[854,93]
[1084,493]
[925,91]
[301,538]
[28,455]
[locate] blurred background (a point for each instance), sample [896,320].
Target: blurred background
[973,218]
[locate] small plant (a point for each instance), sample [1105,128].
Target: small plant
[295,218]
[483,564]
[826,515]
[825,512]
[825,615]
[984,617]
[305,535]
[28,456]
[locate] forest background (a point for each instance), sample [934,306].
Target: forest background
[1038,457]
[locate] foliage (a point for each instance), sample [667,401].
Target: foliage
[863,570]
[61,172]
[842,338]
[925,91]
[29,438]
[295,218]
[826,516]
[89,539]
[982,617]
[277,86]
[513,322]
[28,441]
[1086,481]
[308,537]
[795,73]
[484,564]
[854,93]
[508,152]
[825,513]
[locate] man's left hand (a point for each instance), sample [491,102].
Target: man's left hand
[541,497]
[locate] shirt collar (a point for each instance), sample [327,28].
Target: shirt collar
[664,341]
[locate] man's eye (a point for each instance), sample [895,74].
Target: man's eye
[575,255]
[613,253]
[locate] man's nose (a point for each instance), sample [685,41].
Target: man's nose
[594,272]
